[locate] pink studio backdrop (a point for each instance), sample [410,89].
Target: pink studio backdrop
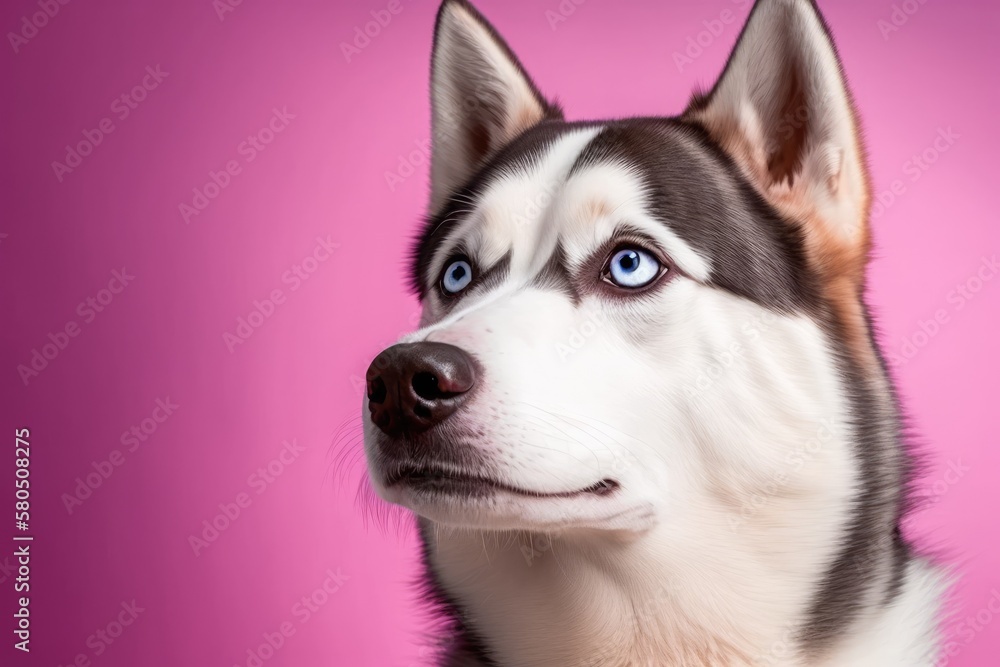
[304,217]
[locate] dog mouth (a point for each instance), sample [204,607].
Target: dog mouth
[445,482]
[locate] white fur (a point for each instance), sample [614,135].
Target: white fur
[734,489]
[724,423]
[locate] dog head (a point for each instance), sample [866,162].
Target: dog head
[634,323]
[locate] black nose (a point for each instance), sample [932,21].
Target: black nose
[414,386]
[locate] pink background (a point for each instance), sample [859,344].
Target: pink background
[296,377]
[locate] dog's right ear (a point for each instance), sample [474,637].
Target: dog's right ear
[481,97]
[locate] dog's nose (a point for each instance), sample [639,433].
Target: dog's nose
[414,386]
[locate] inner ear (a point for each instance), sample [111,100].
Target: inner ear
[480,142]
[788,142]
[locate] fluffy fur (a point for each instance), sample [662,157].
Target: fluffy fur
[740,406]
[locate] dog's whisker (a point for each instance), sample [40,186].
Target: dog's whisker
[568,438]
[632,439]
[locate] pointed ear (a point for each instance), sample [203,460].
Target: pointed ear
[782,110]
[481,97]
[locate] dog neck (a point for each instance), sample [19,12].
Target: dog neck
[615,600]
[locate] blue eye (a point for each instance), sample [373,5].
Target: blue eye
[632,268]
[457,276]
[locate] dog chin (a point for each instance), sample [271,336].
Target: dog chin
[602,507]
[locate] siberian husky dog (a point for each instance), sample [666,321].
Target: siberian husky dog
[644,420]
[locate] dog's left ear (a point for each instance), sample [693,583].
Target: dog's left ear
[782,110]
[481,97]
